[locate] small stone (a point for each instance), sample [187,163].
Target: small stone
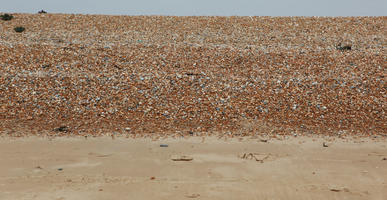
[335,190]
[62,129]
[192,196]
[339,189]
[163,145]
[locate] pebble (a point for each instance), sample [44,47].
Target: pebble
[171,79]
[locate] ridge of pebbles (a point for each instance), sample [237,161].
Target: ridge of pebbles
[93,74]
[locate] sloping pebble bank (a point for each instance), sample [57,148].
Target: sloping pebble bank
[94,74]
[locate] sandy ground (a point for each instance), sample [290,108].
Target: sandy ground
[103,168]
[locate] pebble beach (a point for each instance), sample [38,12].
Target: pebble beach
[219,108]
[70,74]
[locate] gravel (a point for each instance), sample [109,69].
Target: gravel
[96,74]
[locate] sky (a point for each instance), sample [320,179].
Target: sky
[202,7]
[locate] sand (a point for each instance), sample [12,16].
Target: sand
[103,168]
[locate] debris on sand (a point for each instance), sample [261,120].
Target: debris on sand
[181,158]
[193,196]
[255,156]
[338,189]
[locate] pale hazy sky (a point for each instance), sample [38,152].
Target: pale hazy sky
[202,7]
